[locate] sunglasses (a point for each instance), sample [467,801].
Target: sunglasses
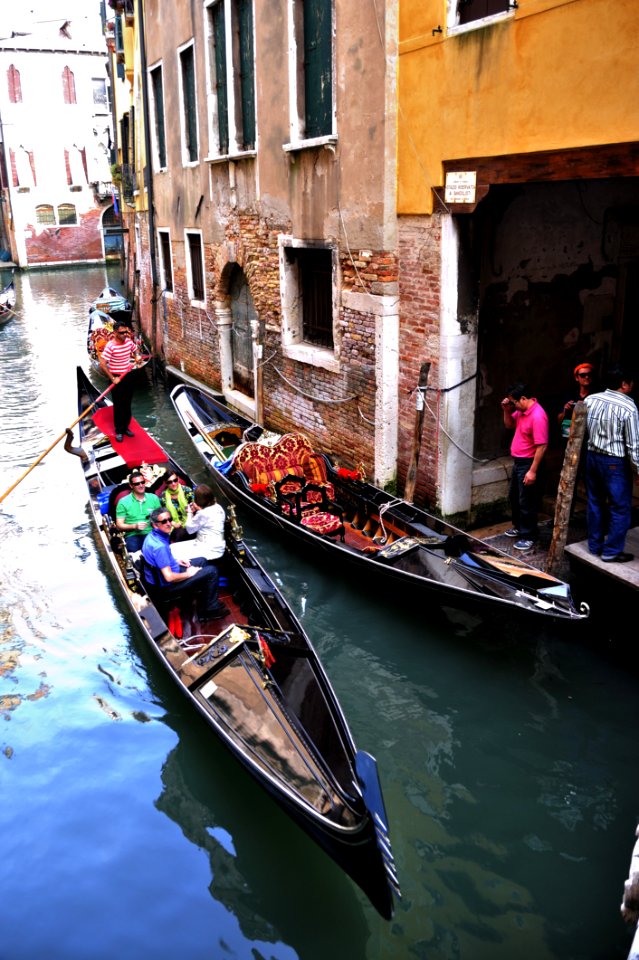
[164,520]
[585,376]
[173,480]
[138,483]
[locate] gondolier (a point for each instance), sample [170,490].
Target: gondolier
[118,360]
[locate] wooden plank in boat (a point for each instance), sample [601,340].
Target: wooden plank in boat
[512,567]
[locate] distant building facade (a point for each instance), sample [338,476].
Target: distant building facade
[56,142]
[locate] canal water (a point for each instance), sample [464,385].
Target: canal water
[508,761]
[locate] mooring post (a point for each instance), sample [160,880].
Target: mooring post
[566,490]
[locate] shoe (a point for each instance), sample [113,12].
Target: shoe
[524,545]
[513,532]
[619,558]
[128,433]
[594,553]
[119,437]
[217,613]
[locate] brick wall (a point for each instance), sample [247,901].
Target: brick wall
[72,244]
[420,288]
[293,392]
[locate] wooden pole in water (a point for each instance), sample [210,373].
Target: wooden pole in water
[566,489]
[411,476]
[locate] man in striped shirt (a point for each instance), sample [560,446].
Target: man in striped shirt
[613,454]
[116,362]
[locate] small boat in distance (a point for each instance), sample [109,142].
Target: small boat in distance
[339,516]
[252,674]
[111,302]
[7,302]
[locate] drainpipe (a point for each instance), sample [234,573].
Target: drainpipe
[148,182]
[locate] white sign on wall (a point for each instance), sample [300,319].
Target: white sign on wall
[460,186]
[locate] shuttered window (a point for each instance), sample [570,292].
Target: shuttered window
[187,64]
[318,68]
[68,86]
[246,72]
[232,76]
[165,253]
[219,57]
[157,94]
[15,87]
[313,297]
[470,10]
[196,266]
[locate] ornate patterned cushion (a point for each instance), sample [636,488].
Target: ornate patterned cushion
[322,522]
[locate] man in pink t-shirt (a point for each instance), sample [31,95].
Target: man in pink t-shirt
[525,416]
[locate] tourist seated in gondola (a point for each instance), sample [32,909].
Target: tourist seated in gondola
[206,520]
[133,511]
[167,577]
[177,498]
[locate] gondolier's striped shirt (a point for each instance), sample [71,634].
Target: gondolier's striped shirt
[117,356]
[613,425]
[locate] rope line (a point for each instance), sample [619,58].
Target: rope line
[309,396]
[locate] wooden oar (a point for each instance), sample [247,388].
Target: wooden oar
[55,442]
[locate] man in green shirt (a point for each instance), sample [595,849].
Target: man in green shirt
[133,511]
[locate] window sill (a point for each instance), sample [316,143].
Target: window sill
[198,304]
[328,141]
[232,157]
[481,23]
[313,356]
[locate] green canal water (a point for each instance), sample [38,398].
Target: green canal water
[508,761]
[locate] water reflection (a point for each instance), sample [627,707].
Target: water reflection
[507,761]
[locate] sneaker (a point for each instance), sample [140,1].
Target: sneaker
[524,545]
[129,433]
[619,558]
[217,613]
[513,532]
[118,437]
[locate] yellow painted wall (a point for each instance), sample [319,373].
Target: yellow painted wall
[552,75]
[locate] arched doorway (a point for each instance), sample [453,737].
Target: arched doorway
[112,232]
[243,313]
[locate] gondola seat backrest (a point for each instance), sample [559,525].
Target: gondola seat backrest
[122,490]
[263,464]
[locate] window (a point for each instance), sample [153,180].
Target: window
[195,266]
[311,69]
[45,214]
[67,215]
[15,87]
[189,106]
[166,267]
[75,162]
[307,293]
[157,117]
[22,169]
[68,86]
[231,76]
[99,92]
[462,12]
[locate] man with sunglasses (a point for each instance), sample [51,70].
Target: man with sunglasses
[133,511]
[585,385]
[117,361]
[162,572]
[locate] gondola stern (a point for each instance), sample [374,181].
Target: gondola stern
[371,788]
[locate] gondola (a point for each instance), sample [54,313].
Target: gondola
[112,303]
[339,516]
[253,675]
[7,303]
[100,331]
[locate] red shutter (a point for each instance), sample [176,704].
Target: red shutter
[14,169]
[15,88]
[67,166]
[32,162]
[68,86]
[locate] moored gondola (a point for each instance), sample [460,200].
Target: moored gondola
[7,303]
[253,674]
[339,516]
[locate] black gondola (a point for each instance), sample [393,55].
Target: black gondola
[254,675]
[340,516]
[7,303]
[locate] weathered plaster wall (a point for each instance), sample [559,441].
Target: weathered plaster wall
[557,74]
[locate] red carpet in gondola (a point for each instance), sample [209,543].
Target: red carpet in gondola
[135,450]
